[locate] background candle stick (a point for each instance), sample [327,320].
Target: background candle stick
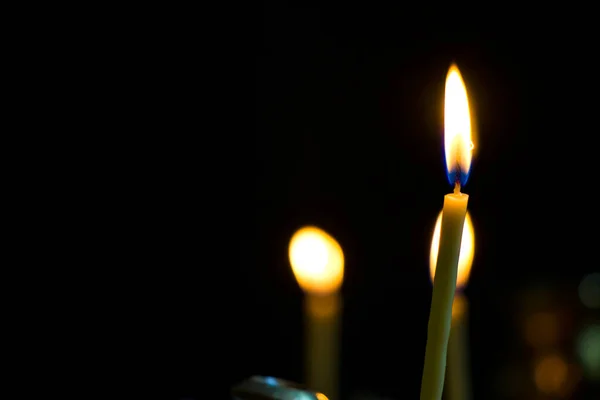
[458,371]
[458,146]
[322,327]
[318,264]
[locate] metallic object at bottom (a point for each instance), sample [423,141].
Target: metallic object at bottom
[269,388]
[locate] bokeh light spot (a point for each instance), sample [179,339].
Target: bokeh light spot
[589,290]
[588,348]
[551,374]
[542,329]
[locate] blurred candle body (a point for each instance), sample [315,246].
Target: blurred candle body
[458,370]
[318,264]
[458,146]
[467,251]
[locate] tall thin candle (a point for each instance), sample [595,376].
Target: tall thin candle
[318,264]
[458,146]
[458,371]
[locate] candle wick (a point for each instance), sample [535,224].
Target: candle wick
[457,188]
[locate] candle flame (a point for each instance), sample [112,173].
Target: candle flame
[317,261]
[458,143]
[465,257]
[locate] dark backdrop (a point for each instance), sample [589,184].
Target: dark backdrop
[344,131]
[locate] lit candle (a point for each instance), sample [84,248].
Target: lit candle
[458,146]
[318,264]
[458,371]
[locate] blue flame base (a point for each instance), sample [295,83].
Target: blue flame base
[458,176]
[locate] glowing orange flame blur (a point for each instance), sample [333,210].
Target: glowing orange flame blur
[467,250]
[458,143]
[317,261]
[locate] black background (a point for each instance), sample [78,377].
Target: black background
[345,131]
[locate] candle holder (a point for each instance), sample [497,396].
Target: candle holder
[269,388]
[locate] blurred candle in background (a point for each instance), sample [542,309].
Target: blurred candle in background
[318,264]
[458,386]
